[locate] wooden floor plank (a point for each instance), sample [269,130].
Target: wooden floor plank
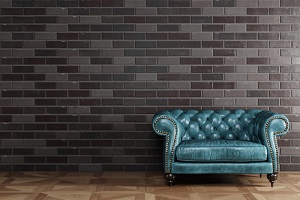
[140,185]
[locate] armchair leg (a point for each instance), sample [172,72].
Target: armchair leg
[260,175]
[272,178]
[170,179]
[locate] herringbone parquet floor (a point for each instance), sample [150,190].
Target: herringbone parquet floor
[152,186]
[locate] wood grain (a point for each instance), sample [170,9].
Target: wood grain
[150,186]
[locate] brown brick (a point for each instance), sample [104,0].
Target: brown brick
[257,60]
[217,19]
[190,60]
[134,19]
[202,85]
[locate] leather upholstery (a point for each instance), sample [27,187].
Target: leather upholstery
[256,126]
[220,151]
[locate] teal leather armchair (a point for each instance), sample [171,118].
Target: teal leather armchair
[220,142]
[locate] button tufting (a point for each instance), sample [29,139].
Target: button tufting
[215,129]
[230,129]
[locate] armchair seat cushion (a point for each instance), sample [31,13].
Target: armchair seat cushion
[220,151]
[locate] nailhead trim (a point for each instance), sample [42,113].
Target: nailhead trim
[175,138]
[275,140]
[167,141]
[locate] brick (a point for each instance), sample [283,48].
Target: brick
[156,3]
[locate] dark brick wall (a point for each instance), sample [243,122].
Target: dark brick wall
[81,79]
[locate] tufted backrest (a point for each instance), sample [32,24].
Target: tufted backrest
[218,124]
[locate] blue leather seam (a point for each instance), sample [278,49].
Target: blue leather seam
[168,168]
[275,140]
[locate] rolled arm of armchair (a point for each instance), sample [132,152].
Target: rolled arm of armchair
[165,124]
[269,125]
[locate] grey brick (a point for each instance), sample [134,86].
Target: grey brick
[23,52]
[179,68]
[67,52]
[246,102]
[45,36]
[168,61]
[90,167]
[112,52]
[135,102]
[45,69]
[145,11]
[157,69]
[46,151]
[145,61]
[78,110]
[71,19]
[146,77]
[124,61]
[223,102]
[34,143]
[113,118]
[56,11]
[235,77]
[202,52]
[133,52]
[258,77]
[56,27]
[235,93]
[23,102]
[247,52]
[5,36]
[102,93]
[235,27]
[56,77]
[101,44]
[135,69]
[5,3]
[135,3]
[90,19]
[245,3]
[87,68]
[235,11]
[179,52]
[67,85]
[12,143]
[179,85]
[214,93]
[79,60]
[145,27]
[157,3]
[247,69]
[190,28]
[247,85]
[12,159]
[123,27]
[202,36]
[213,11]
[157,85]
